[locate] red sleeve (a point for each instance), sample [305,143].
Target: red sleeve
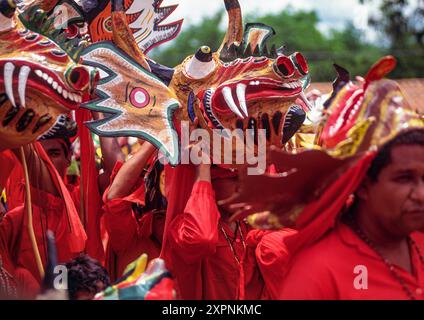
[9,230]
[195,232]
[272,258]
[121,224]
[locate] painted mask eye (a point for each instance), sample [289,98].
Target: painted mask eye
[139,98]
[300,62]
[107,25]
[72,31]
[284,67]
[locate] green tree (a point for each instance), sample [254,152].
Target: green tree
[297,31]
[403,25]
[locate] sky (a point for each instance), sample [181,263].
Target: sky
[332,13]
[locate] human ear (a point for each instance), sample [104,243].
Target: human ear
[363,191]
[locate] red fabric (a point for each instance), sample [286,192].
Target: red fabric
[15,187]
[179,183]
[16,195]
[129,237]
[7,163]
[75,233]
[48,213]
[332,276]
[92,201]
[202,261]
[164,290]
[320,216]
[266,258]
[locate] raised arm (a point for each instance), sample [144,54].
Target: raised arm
[111,154]
[194,233]
[128,175]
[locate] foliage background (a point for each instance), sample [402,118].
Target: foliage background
[399,25]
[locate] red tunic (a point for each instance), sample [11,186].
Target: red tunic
[48,214]
[129,237]
[202,260]
[326,270]
[264,263]
[15,191]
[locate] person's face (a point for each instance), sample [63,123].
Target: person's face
[55,149]
[396,199]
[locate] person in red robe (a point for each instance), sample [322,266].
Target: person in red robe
[134,215]
[203,249]
[373,247]
[52,209]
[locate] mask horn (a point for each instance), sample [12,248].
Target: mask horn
[235,25]
[122,35]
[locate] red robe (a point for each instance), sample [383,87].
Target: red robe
[202,260]
[48,214]
[327,271]
[129,236]
[264,263]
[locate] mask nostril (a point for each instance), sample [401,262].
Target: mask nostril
[301,64]
[284,67]
[78,78]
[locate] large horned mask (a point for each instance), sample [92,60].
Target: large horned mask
[243,85]
[39,81]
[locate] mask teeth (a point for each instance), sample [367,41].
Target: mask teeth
[60,123]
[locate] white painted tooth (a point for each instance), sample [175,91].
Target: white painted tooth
[258,83]
[71,97]
[306,101]
[228,96]
[59,89]
[54,85]
[241,96]
[65,94]
[8,81]
[39,73]
[23,78]
[45,76]
[49,80]
[78,99]
[252,83]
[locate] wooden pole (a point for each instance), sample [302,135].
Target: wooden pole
[29,214]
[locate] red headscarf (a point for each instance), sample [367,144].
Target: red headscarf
[74,230]
[320,216]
